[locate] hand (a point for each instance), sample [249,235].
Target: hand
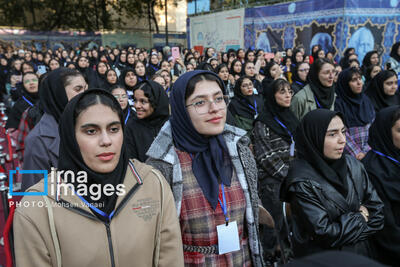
[13,80]
[179,61]
[231,79]
[364,212]
[360,156]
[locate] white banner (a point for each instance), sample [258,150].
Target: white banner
[222,30]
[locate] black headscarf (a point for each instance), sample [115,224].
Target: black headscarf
[127,64]
[295,75]
[367,59]
[245,106]
[53,97]
[393,52]
[380,139]
[283,114]
[295,51]
[32,97]
[107,84]
[128,112]
[140,133]
[232,70]
[310,139]
[121,79]
[209,166]
[120,64]
[158,99]
[324,95]
[376,94]
[70,157]
[357,109]
[315,54]
[101,78]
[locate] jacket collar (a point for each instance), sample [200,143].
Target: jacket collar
[48,127]
[67,196]
[163,148]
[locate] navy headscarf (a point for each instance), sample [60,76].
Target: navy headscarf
[357,109]
[209,166]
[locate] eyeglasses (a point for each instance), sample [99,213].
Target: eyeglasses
[121,96]
[303,70]
[31,81]
[203,106]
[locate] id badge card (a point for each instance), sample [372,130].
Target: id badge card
[292,149]
[228,238]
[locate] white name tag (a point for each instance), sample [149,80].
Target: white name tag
[228,238]
[292,149]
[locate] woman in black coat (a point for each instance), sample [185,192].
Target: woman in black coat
[333,203]
[383,166]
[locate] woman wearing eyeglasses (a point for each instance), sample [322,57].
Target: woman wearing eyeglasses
[319,93]
[245,106]
[212,174]
[29,97]
[152,111]
[119,92]
[299,78]
[273,148]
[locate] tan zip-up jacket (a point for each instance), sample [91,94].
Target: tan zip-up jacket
[144,230]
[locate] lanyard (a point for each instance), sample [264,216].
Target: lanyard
[302,84]
[386,156]
[255,107]
[316,101]
[291,136]
[167,90]
[223,205]
[127,117]
[98,211]
[102,213]
[27,101]
[283,125]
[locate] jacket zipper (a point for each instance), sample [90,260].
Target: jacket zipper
[110,245]
[107,225]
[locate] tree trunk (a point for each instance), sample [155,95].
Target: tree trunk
[153,3]
[32,9]
[105,17]
[96,13]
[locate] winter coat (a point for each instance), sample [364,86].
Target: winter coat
[322,218]
[304,101]
[144,230]
[41,149]
[162,156]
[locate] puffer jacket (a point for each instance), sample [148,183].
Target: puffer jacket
[162,156]
[144,230]
[322,218]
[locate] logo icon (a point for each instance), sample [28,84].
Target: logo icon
[17,170]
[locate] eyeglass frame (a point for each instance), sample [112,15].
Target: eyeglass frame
[125,96]
[226,100]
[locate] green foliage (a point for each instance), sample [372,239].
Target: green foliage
[88,15]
